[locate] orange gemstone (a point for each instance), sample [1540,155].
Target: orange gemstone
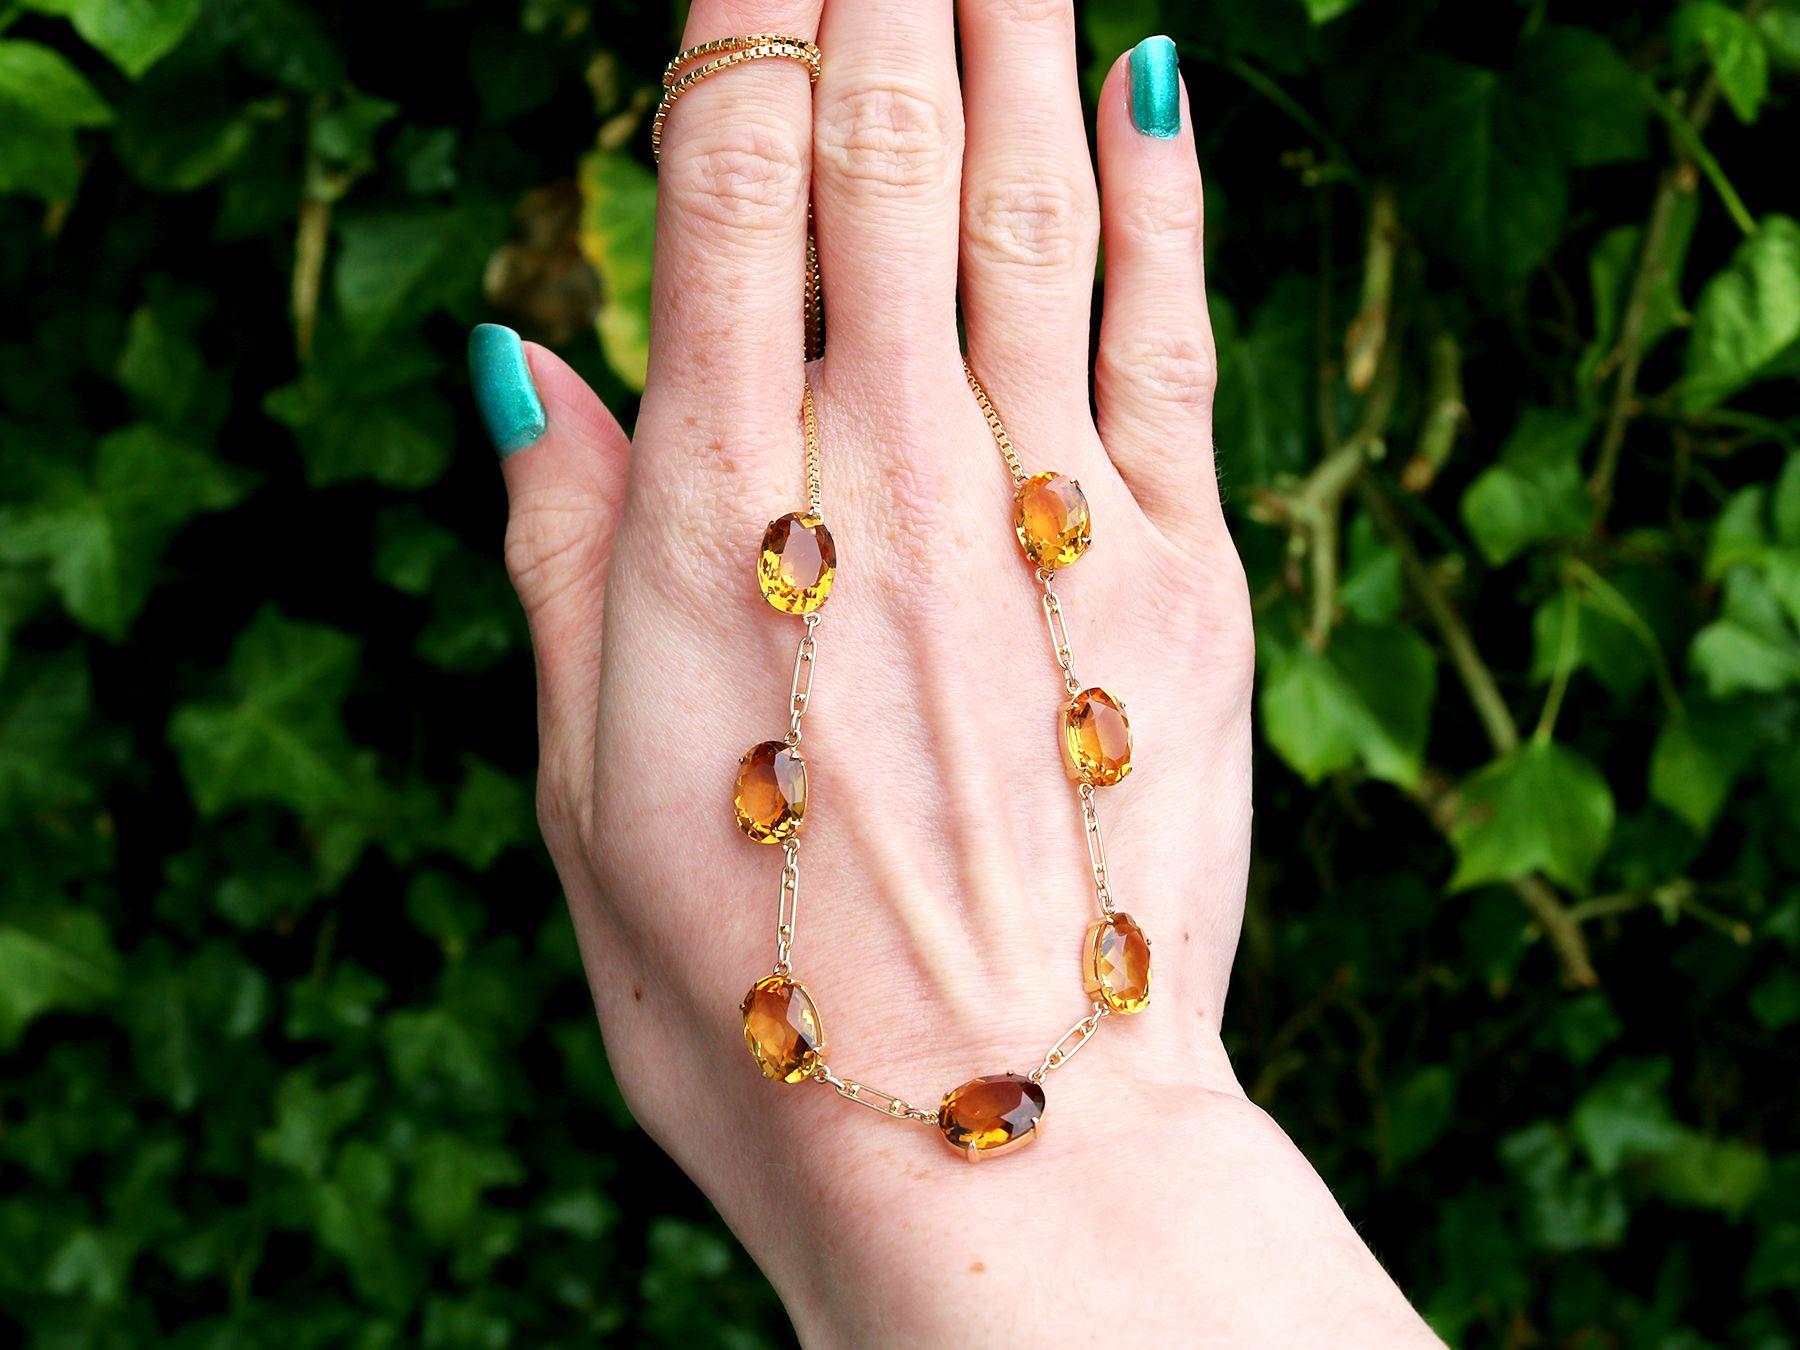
[798,563]
[1096,738]
[989,1116]
[1050,515]
[1118,964]
[783,1029]
[771,792]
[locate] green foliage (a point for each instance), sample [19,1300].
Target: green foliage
[294,1042]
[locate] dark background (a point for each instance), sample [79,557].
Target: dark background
[294,1046]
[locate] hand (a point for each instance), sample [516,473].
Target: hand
[946,882]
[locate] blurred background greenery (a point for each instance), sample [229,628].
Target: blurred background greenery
[294,1046]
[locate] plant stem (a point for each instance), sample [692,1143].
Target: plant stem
[1651,272]
[1687,136]
[1565,666]
[1280,97]
[1477,679]
[1444,415]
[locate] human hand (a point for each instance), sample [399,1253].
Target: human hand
[946,878]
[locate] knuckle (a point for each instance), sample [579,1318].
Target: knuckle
[550,544]
[1034,222]
[740,175]
[1166,369]
[887,141]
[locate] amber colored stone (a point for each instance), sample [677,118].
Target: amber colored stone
[783,1028]
[798,563]
[1096,738]
[1050,514]
[988,1116]
[1117,964]
[771,792]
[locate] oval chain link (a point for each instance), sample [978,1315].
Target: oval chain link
[1070,1044]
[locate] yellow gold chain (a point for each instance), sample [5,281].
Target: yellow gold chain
[996,428]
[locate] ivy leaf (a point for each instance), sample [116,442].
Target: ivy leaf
[38,84]
[101,532]
[618,218]
[278,735]
[1747,321]
[494,812]
[1365,699]
[1542,808]
[1324,11]
[395,267]
[1483,154]
[45,706]
[1568,1208]
[308,1117]
[1734,47]
[1612,268]
[1708,1173]
[353,1222]
[43,101]
[134,33]
[50,960]
[1265,375]
[1419,1110]
[1535,491]
[450,1174]
[361,419]
[1698,758]
[1625,1115]
[1750,646]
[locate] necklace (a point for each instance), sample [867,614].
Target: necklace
[783,1027]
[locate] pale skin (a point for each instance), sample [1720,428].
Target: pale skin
[946,884]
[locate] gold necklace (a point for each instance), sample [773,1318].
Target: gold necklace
[783,1028]
[796,571]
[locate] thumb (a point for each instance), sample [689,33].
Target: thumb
[564,459]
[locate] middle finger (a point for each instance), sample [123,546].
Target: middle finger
[887,148]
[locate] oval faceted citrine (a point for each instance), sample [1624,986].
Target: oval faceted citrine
[988,1116]
[1050,514]
[798,563]
[1118,964]
[771,792]
[783,1028]
[1096,738]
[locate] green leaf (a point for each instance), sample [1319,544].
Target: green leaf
[101,532]
[1707,1173]
[1612,271]
[1751,646]
[1324,11]
[1626,1115]
[1698,758]
[450,1175]
[1264,406]
[39,85]
[1541,808]
[1568,1208]
[1535,491]
[618,218]
[1365,699]
[357,418]
[308,1117]
[1747,321]
[1734,47]
[134,33]
[277,735]
[1483,154]
[353,1222]
[395,267]
[45,707]
[52,960]
[1776,1000]
[494,811]
[1419,1110]
[1779,24]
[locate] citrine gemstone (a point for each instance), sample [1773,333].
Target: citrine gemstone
[988,1116]
[771,792]
[783,1028]
[798,563]
[1117,959]
[1050,514]
[1096,738]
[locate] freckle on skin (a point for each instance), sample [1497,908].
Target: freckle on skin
[637,993]
[976,1268]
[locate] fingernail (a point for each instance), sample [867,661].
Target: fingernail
[503,390]
[1155,88]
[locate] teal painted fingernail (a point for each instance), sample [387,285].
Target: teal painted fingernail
[504,393]
[1155,88]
